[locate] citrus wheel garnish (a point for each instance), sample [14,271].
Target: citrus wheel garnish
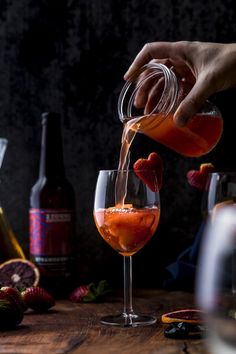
[220,205]
[19,273]
[186,315]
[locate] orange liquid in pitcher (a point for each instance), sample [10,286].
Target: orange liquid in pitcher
[127,229]
[197,138]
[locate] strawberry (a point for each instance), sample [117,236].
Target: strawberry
[11,307]
[143,168]
[10,314]
[80,293]
[89,293]
[13,295]
[197,178]
[38,299]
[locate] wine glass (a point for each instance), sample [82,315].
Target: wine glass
[3,147]
[221,189]
[215,278]
[126,213]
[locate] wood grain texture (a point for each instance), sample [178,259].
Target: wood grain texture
[75,329]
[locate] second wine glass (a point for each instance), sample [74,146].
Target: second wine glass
[215,280]
[221,190]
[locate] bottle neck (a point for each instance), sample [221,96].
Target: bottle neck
[51,159]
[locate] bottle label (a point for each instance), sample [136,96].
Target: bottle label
[51,232]
[52,239]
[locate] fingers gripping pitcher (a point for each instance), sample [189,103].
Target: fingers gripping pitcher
[161,91]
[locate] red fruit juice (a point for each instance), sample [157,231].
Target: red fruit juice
[197,138]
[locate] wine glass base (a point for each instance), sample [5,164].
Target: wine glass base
[128,320]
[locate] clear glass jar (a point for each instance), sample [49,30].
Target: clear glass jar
[9,245]
[157,81]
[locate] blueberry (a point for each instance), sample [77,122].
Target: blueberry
[177,330]
[181,330]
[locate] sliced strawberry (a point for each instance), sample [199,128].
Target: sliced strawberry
[144,167]
[197,178]
[38,299]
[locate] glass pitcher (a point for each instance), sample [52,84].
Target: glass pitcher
[9,246]
[197,138]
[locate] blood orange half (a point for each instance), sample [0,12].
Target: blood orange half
[186,315]
[19,273]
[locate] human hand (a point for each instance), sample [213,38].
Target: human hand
[207,67]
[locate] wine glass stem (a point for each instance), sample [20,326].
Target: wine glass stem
[128,306]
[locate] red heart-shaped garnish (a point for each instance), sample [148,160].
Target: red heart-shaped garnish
[198,178]
[143,168]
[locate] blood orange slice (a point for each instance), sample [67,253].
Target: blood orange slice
[19,273]
[186,315]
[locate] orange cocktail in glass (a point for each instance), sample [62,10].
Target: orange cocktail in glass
[127,229]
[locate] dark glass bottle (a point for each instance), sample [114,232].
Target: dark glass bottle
[52,213]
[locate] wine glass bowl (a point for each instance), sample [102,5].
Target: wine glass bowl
[3,147]
[126,213]
[126,229]
[221,190]
[216,279]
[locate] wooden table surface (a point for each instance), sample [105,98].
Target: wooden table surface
[75,329]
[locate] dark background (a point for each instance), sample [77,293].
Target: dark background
[70,57]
